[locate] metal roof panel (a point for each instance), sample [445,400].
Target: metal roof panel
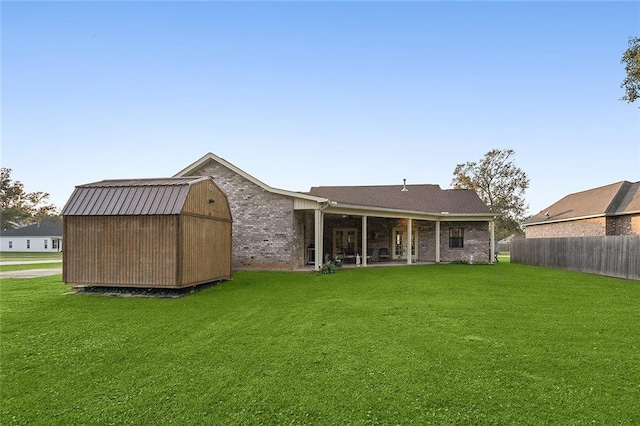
[130,197]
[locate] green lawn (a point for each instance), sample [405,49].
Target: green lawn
[6,268]
[439,344]
[22,255]
[29,257]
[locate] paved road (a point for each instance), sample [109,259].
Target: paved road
[27,262]
[31,273]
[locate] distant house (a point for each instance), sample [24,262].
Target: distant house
[607,210]
[505,243]
[279,229]
[45,236]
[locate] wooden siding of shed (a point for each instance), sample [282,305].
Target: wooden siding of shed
[205,232]
[205,253]
[198,201]
[121,251]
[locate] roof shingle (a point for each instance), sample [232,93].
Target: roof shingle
[418,198]
[614,199]
[46,228]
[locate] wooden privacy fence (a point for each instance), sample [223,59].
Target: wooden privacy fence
[615,256]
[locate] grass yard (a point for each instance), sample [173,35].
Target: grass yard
[30,257]
[439,344]
[28,266]
[23,255]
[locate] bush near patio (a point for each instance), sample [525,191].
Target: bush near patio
[437,344]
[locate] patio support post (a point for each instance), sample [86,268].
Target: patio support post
[363,255]
[409,241]
[317,228]
[437,241]
[492,231]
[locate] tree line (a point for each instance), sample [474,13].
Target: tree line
[18,207]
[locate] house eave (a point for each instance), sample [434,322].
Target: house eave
[353,209]
[629,213]
[568,219]
[212,157]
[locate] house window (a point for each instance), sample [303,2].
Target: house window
[54,244]
[28,244]
[10,244]
[45,244]
[456,237]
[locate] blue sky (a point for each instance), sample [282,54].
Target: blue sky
[301,94]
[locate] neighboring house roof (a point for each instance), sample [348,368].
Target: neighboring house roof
[46,228]
[164,196]
[416,198]
[620,198]
[508,239]
[627,201]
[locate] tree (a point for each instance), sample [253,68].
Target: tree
[631,61]
[18,207]
[500,184]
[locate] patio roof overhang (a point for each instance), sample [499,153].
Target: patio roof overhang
[333,207]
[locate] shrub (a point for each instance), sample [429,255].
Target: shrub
[460,262]
[329,268]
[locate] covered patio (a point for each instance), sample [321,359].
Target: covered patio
[354,235]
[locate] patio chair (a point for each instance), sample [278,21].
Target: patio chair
[383,254]
[349,255]
[369,254]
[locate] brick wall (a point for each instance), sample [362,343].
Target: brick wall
[618,225]
[623,225]
[635,224]
[264,223]
[476,242]
[593,227]
[426,240]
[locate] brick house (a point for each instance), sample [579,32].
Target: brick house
[608,210]
[280,229]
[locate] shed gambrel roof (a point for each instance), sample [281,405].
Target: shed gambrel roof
[416,198]
[620,198]
[129,197]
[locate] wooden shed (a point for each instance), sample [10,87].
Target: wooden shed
[156,233]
